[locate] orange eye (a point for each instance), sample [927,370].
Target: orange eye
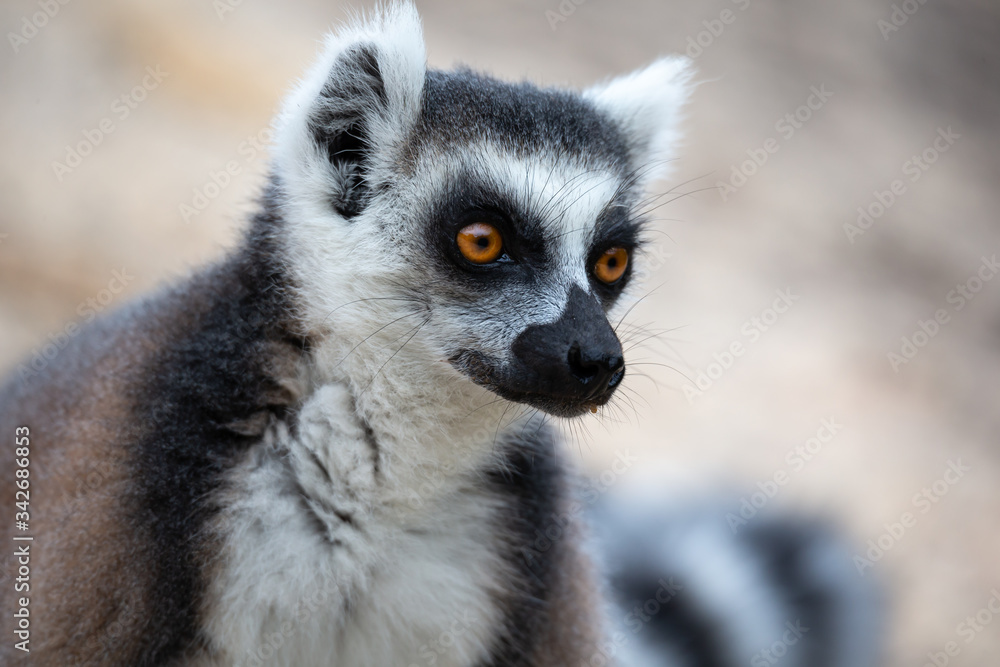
[611,265]
[480,243]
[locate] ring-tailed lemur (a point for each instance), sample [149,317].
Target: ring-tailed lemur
[328,448]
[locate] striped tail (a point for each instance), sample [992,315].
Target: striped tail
[693,592]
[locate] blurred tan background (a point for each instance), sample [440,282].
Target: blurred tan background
[891,79]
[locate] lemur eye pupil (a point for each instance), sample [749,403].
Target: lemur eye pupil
[611,265]
[480,243]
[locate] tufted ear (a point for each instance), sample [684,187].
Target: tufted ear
[647,106]
[358,101]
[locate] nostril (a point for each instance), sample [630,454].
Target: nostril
[616,377]
[583,369]
[616,363]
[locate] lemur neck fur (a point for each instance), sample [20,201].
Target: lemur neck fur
[433,427]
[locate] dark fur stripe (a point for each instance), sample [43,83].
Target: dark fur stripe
[679,625]
[787,551]
[215,375]
[531,480]
[463,106]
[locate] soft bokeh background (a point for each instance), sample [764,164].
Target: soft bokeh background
[718,263]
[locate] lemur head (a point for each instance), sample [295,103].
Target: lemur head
[499,222]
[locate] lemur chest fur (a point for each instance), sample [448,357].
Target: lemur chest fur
[329,557]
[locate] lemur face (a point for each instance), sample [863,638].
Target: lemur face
[529,238]
[506,215]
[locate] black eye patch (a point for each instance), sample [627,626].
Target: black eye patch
[618,224]
[617,227]
[468,200]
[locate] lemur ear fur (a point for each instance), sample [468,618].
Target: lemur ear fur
[647,104]
[357,101]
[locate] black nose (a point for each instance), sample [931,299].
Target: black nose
[594,366]
[577,358]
